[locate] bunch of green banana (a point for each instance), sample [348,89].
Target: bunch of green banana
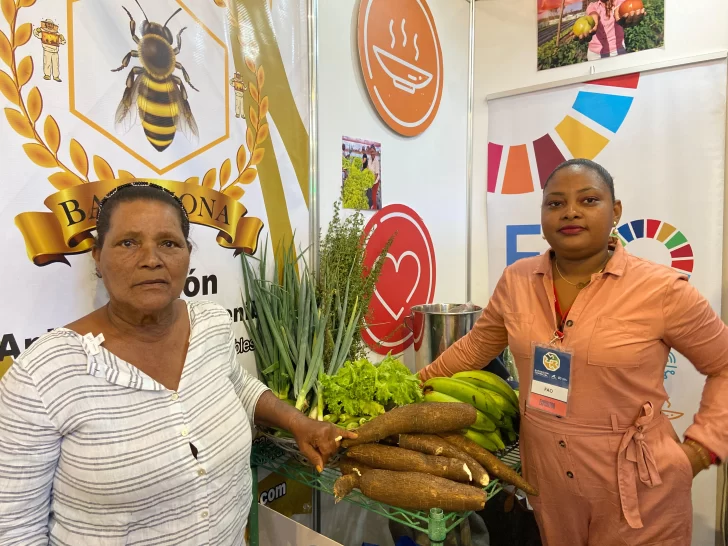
[484,423]
[495,400]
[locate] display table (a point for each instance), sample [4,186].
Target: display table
[436,524]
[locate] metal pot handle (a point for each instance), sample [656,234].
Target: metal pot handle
[411,317]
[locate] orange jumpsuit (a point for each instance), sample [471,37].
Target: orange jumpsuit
[611,472]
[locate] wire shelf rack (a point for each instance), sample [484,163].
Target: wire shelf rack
[270,456]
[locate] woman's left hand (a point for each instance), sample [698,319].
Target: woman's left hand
[318,440]
[696,461]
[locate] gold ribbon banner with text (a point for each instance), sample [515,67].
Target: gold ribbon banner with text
[66,230]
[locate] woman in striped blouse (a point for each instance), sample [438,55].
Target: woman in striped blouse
[133,424]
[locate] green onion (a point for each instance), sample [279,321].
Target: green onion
[348,337]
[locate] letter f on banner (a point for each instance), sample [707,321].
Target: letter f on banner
[512,234]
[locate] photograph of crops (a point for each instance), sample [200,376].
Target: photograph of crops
[361,174]
[578,31]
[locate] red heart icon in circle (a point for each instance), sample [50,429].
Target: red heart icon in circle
[393,291]
[408,276]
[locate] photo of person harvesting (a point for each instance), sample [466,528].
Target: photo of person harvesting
[374,194]
[578,31]
[607,34]
[608,464]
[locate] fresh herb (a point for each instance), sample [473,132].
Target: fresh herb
[342,274]
[262,327]
[306,326]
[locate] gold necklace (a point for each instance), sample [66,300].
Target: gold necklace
[580,285]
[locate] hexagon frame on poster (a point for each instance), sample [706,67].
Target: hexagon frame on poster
[114,138]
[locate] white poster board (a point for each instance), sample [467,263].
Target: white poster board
[248,63]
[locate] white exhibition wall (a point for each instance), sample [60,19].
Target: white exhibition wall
[428,172]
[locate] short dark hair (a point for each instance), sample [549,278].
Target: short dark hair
[594,167]
[137,191]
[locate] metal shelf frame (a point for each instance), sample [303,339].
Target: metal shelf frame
[436,524]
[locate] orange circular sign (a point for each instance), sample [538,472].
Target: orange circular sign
[401,61]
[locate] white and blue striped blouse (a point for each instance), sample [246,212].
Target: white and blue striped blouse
[95,452]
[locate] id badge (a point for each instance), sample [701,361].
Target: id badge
[551,377]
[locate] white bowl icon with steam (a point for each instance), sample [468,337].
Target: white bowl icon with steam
[405,75]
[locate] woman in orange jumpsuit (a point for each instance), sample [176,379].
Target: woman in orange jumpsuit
[610,469]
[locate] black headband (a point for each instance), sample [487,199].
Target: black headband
[122,187]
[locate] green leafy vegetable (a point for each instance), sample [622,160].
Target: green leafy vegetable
[351,390]
[396,383]
[360,388]
[289,331]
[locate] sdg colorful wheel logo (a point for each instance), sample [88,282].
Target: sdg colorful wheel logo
[594,118]
[681,253]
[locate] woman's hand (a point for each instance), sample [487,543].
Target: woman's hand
[591,33]
[586,35]
[632,18]
[317,440]
[696,458]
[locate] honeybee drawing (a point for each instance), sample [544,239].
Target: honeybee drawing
[153,93]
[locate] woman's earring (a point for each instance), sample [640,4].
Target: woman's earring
[615,233]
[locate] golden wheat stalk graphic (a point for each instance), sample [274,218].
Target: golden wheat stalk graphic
[256,133]
[223,3]
[44,150]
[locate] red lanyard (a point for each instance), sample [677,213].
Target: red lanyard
[562,314]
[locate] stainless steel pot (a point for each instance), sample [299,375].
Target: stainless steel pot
[437,326]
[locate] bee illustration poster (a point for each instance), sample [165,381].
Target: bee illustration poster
[208,97]
[361,174]
[578,31]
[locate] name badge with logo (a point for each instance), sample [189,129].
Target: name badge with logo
[550,381]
